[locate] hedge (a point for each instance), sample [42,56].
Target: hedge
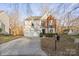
[47,34]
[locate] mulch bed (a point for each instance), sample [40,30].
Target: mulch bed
[63,47]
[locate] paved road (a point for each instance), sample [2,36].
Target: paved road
[23,46]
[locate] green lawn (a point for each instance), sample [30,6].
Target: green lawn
[4,38]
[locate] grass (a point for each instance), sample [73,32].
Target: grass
[6,38]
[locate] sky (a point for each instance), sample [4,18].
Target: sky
[34,9]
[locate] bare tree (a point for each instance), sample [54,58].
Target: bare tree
[15,26]
[29,11]
[66,17]
[44,8]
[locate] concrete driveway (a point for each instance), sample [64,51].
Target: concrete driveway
[22,47]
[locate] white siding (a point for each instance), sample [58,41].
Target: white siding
[4,18]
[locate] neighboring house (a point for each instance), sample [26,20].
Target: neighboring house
[4,22]
[9,24]
[74,26]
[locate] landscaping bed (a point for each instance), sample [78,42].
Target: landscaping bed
[47,34]
[63,47]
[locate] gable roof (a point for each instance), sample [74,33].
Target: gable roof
[33,18]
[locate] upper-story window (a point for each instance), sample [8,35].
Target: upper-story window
[50,22]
